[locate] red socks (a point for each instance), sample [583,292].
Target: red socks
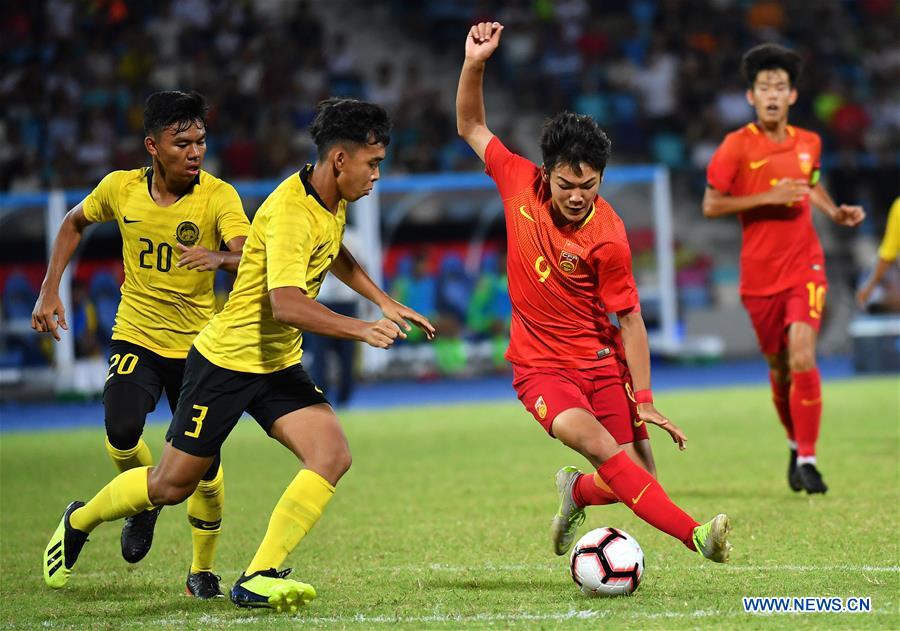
[585,492]
[781,398]
[806,410]
[643,494]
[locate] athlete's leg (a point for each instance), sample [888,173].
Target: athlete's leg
[634,486]
[805,402]
[315,436]
[125,407]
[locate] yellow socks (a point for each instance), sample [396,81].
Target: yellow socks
[204,511]
[125,459]
[295,514]
[125,495]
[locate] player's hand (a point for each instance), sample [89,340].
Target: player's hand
[788,191]
[199,258]
[482,40]
[848,215]
[49,314]
[381,334]
[650,414]
[862,296]
[399,314]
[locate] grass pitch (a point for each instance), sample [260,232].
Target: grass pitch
[443,523]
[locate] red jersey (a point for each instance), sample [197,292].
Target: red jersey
[780,246]
[562,280]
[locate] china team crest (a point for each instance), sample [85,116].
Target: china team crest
[569,256]
[187,233]
[540,407]
[805,162]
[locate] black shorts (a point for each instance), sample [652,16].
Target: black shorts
[130,363]
[213,399]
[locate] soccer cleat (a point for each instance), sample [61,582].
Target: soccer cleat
[63,549]
[711,539]
[794,480]
[811,478]
[271,590]
[203,585]
[570,515]
[137,534]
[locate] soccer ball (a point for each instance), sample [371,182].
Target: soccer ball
[607,562]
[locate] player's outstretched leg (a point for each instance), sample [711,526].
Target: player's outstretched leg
[137,534]
[203,585]
[271,589]
[63,549]
[570,515]
[711,539]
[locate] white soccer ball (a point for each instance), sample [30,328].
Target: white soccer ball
[607,562]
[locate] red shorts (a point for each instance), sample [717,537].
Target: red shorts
[771,315]
[605,391]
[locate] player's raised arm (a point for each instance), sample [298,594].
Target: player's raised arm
[481,42]
[49,312]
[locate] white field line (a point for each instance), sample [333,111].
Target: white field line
[538,567]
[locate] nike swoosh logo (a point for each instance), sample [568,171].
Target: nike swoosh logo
[635,500]
[638,422]
[757,164]
[127,220]
[318,390]
[525,214]
[807,402]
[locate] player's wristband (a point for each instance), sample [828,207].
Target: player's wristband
[643,396]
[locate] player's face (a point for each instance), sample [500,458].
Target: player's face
[771,96]
[358,170]
[179,154]
[573,193]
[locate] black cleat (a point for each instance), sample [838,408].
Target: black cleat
[203,585]
[63,549]
[811,479]
[794,480]
[137,534]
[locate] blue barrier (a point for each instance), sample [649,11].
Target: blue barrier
[392,184]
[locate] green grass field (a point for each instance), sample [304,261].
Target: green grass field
[442,523]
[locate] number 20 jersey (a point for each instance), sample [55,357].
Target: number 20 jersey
[164,306]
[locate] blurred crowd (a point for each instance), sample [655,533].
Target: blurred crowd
[662,76]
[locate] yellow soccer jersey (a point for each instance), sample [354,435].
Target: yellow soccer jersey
[890,245]
[293,241]
[163,306]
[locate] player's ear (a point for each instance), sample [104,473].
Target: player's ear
[792,98]
[339,159]
[150,145]
[749,95]
[545,174]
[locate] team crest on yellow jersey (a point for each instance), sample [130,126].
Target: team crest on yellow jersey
[805,162]
[187,233]
[569,256]
[541,408]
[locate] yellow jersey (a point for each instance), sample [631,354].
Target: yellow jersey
[164,306]
[890,245]
[293,241]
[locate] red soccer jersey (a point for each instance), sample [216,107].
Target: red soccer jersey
[562,280]
[780,248]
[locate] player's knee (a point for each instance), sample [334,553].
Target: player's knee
[802,361]
[333,463]
[124,432]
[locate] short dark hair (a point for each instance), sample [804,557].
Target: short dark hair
[770,57]
[572,139]
[178,109]
[349,120]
